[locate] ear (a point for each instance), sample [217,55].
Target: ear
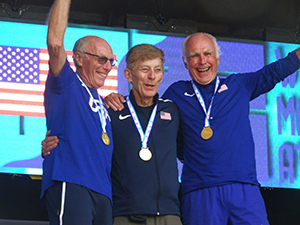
[218,60]
[77,57]
[160,80]
[185,63]
[128,75]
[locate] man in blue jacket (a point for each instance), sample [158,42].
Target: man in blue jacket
[144,167]
[219,182]
[76,182]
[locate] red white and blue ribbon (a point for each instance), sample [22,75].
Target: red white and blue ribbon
[202,103]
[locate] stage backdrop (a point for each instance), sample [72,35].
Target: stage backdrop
[275,117]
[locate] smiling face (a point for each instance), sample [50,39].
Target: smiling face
[89,69]
[145,78]
[201,58]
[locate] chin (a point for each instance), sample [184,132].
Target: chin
[204,80]
[150,94]
[100,83]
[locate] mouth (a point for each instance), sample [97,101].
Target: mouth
[149,86]
[203,70]
[102,75]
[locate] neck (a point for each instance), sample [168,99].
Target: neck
[142,101]
[85,80]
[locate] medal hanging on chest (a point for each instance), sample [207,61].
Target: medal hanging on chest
[104,135]
[207,131]
[100,109]
[145,154]
[105,138]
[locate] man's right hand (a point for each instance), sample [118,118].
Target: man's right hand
[48,144]
[114,101]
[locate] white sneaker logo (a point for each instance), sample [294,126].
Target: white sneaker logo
[189,95]
[123,117]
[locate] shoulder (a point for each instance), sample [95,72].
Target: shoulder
[165,103]
[67,74]
[181,83]
[177,86]
[114,113]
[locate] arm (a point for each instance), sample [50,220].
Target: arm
[57,25]
[114,101]
[265,79]
[298,53]
[48,144]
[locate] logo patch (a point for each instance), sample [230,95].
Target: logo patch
[223,88]
[165,115]
[123,117]
[189,95]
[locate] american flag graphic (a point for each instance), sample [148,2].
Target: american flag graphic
[165,115]
[23,73]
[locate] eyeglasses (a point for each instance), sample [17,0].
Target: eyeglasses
[102,59]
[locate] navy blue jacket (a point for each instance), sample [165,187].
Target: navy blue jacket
[145,187]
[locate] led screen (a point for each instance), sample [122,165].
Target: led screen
[275,117]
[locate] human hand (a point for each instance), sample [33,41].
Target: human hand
[114,101]
[298,53]
[49,143]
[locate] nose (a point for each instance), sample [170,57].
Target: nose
[202,59]
[107,65]
[151,74]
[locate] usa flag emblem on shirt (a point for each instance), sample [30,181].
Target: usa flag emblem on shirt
[165,115]
[23,73]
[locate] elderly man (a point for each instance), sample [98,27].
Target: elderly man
[144,171]
[219,183]
[144,167]
[76,182]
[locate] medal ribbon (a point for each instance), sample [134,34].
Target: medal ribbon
[202,103]
[100,108]
[144,136]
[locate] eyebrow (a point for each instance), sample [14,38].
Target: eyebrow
[157,66]
[208,51]
[193,54]
[205,51]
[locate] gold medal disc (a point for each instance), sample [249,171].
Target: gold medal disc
[206,133]
[105,138]
[145,154]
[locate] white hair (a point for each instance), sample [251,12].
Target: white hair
[217,47]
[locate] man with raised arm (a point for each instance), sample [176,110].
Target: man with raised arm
[76,182]
[219,182]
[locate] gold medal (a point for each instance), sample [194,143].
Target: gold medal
[145,154]
[105,138]
[206,133]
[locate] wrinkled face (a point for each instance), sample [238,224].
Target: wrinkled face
[145,78]
[92,71]
[201,60]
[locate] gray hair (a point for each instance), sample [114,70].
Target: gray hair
[143,52]
[217,47]
[80,46]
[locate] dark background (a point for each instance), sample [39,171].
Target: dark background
[266,20]
[272,20]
